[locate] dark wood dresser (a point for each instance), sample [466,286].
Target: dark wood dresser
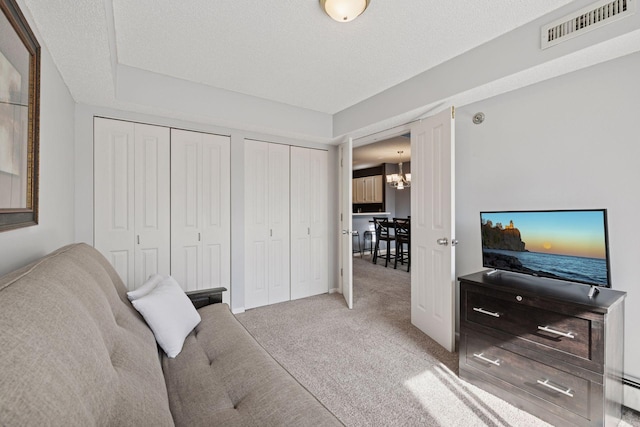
[544,346]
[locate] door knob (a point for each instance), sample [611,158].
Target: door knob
[444,241]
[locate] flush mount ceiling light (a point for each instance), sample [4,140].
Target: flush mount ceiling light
[344,10]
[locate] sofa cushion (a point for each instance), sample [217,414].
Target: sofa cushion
[73,349]
[224,377]
[169,313]
[148,286]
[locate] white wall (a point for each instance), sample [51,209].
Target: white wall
[403,197]
[201,103]
[502,64]
[84,184]
[570,142]
[56,215]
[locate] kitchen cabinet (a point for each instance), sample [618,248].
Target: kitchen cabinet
[368,189]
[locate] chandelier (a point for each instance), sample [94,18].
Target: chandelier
[344,10]
[399,180]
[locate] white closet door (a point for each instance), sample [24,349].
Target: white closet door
[279,273]
[216,214]
[309,255]
[267,277]
[152,202]
[114,208]
[256,203]
[300,222]
[186,208]
[200,210]
[131,206]
[319,273]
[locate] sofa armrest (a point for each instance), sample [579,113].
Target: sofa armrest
[203,297]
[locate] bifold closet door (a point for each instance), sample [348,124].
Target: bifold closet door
[267,277]
[309,222]
[131,198]
[200,210]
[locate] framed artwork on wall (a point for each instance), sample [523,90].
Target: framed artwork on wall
[19,119]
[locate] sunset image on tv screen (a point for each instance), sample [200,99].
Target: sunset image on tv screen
[569,245]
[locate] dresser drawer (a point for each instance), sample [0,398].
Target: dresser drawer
[552,387]
[544,345]
[559,332]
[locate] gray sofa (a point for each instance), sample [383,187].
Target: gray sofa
[74,352]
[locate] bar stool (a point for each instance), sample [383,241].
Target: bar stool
[403,237]
[355,234]
[371,237]
[383,233]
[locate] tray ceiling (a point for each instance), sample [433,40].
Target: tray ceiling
[287,51]
[287,69]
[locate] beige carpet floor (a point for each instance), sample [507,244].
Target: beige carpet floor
[370,366]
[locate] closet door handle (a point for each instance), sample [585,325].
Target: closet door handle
[308,230]
[138,236]
[198,237]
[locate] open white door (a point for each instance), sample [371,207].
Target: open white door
[346,249]
[433,227]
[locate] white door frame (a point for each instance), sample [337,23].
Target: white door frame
[346,221]
[397,131]
[433,241]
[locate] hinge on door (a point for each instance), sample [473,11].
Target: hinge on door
[453,112]
[340,217]
[341,163]
[340,272]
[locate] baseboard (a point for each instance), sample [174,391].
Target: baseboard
[238,310]
[334,290]
[631,389]
[226,298]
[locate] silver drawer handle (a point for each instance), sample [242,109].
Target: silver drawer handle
[553,331]
[547,384]
[483,311]
[481,357]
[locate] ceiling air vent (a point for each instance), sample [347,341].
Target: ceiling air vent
[591,17]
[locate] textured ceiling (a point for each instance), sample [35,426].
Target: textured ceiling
[282,50]
[385,151]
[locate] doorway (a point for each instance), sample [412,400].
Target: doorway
[433,281]
[381,189]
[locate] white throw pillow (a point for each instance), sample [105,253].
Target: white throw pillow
[169,313]
[146,287]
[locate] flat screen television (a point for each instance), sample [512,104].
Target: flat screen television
[569,245]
